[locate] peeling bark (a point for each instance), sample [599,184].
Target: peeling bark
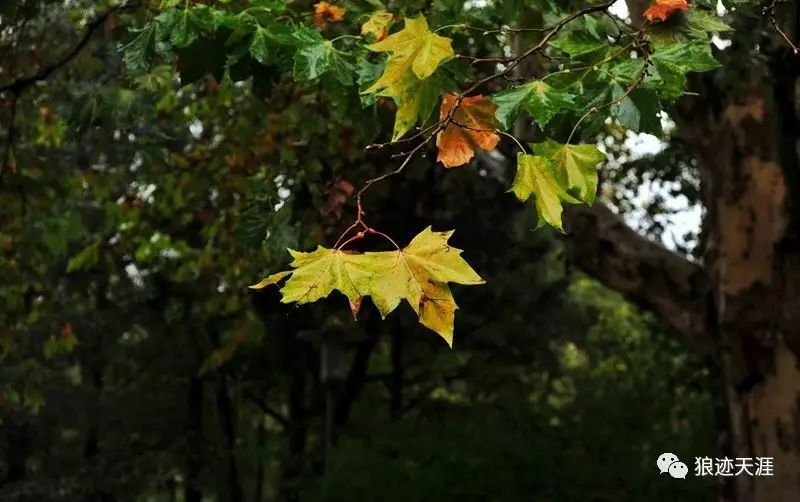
[753,262]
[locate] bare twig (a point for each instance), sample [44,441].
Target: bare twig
[769,11]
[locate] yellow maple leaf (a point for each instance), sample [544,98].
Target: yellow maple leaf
[378,25]
[418,273]
[414,48]
[319,273]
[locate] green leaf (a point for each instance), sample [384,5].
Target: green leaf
[537,98]
[577,162]
[509,103]
[628,70]
[674,61]
[706,21]
[315,60]
[139,50]
[538,177]
[415,100]
[686,56]
[86,259]
[638,111]
[578,44]
[185,25]
[184,32]
[259,45]
[368,73]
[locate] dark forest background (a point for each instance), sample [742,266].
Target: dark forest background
[136,365]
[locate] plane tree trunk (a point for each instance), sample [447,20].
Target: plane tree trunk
[740,307]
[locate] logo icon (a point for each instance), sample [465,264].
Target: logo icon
[669,463]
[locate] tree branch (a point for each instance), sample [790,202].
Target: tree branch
[9,147]
[646,273]
[268,410]
[18,85]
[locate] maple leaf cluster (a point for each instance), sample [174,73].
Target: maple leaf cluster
[419,273]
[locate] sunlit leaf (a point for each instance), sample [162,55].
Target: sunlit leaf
[418,273]
[415,48]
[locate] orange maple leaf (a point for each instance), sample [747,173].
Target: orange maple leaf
[662,9]
[325,13]
[472,126]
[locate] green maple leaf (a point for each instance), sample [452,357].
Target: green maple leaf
[415,100]
[315,60]
[673,61]
[418,273]
[139,51]
[577,162]
[578,44]
[538,177]
[259,45]
[537,98]
[638,110]
[413,49]
[706,22]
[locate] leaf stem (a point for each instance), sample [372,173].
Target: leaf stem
[341,37]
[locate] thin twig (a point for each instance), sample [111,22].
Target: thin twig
[595,109]
[769,11]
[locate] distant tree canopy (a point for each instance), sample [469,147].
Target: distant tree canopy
[159,157]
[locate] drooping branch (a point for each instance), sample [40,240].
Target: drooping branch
[646,273]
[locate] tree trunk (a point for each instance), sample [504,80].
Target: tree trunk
[741,309]
[225,409]
[194,436]
[745,138]
[747,153]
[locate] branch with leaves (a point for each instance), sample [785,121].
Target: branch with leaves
[598,70]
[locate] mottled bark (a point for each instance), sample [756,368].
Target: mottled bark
[746,145]
[744,303]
